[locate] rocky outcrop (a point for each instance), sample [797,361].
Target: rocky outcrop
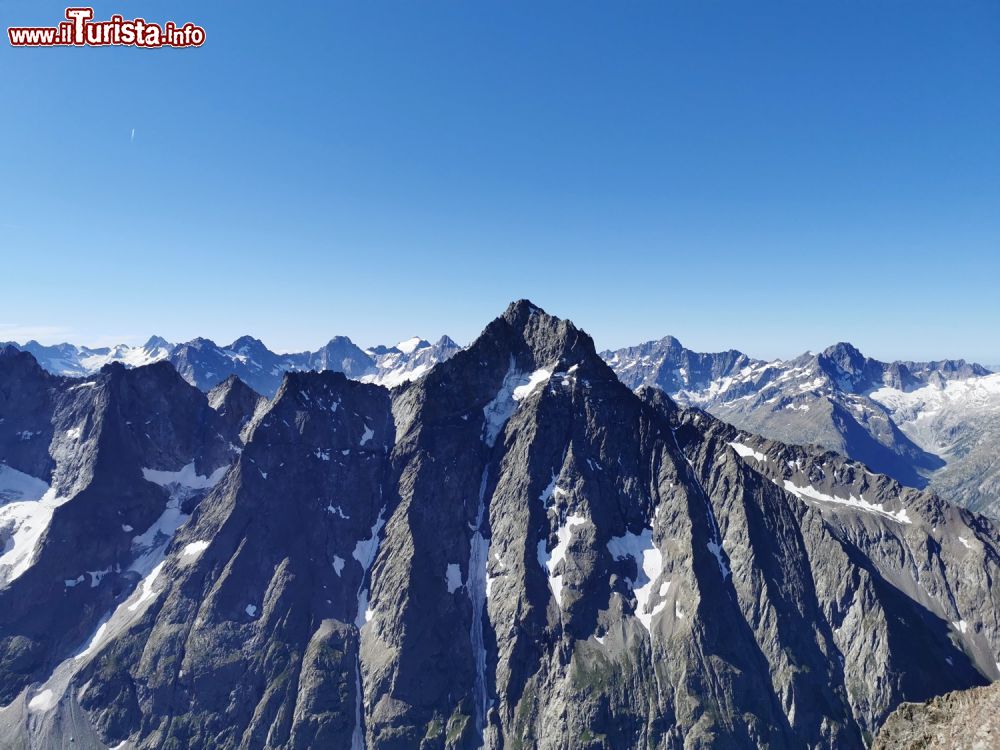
[961,720]
[236,403]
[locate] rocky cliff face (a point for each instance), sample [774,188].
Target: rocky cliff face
[236,403]
[515,551]
[95,476]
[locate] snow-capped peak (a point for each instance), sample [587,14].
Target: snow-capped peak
[411,345]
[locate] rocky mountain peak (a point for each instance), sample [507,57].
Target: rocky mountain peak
[851,370]
[520,310]
[670,343]
[247,345]
[317,396]
[227,388]
[343,355]
[843,350]
[113,369]
[13,359]
[198,343]
[338,341]
[304,385]
[446,342]
[543,340]
[156,342]
[235,402]
[846,357]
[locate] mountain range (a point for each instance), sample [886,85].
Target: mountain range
[205,364]
[515,550]
[927,424]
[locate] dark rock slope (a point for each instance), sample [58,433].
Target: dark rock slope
[236,403]
[518,551]
[95,476]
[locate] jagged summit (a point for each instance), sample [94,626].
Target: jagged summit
[199,342]
[295,383]
[520,309]
[340,341]
[160,370]
[235,402]
[247,345]
[524,338]
[844,350]
[446,342]
[12,353]
[848,357]
[852,370]
[229,389]
[545,338]
[155,341]
[233,381]
[671,342]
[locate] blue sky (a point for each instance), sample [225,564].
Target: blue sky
[771,176]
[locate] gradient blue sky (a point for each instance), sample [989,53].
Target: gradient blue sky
[770,176]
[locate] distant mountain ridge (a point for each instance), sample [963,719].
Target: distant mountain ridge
[205,364]
[667,364]
[931,424]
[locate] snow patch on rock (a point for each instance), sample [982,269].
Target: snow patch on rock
[745,451]
[649,565]
[186,476]
[453,577]
[22,525]
[857,503]
[194,549]
[550,560]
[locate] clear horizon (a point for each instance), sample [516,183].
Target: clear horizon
[771,178]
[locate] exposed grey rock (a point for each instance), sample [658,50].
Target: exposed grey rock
[236,403]
[962,720]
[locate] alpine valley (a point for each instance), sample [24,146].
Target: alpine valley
[517,544]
